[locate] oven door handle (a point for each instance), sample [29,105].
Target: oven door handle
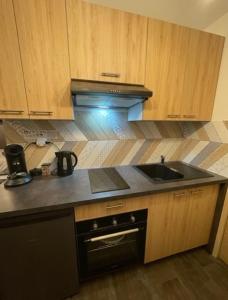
[111,235]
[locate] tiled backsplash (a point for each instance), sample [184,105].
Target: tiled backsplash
[91,125]
[105,138]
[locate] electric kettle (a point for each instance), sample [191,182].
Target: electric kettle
[66,162]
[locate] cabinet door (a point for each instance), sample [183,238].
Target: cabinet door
[201,208]
[224,247]
[166,225]
[203,58]
[182,69]
[13,103]
[106,44]
[179,221]
[42,30]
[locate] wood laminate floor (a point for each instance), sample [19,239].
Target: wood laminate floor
[191,275]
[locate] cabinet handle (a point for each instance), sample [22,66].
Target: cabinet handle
[173,116]
[179,195]
[195,192]
[189,116]
[10,111]
[41,113]
[104,74]
[121,204]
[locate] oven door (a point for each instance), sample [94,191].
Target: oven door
[109,251]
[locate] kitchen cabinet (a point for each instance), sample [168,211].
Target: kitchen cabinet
[224,246]
[108,208]
[179,220]
[182,68]
[38,256]
[106,44]
[13,102]
[42,32]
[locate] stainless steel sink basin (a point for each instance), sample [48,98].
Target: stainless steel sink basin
[160,172]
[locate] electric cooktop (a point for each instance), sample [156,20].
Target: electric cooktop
[106,180]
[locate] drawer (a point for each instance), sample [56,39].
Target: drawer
[112,207]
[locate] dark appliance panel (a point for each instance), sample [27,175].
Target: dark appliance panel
[38,257]
[109,243]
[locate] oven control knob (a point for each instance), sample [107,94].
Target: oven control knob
[114,222]
[95,225]
[132,218]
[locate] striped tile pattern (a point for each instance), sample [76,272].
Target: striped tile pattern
[106,138]
[92,125]
[206,131]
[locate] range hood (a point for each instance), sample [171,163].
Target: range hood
[88,93]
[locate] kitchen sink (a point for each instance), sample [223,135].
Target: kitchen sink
[160,172]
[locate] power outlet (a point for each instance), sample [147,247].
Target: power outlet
[41,141]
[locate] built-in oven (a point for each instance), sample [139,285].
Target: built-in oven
[108,243]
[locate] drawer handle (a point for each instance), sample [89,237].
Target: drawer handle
[179,195]
[103,237]
[196,192]
[9,111]
[173,116]
[104,74]
[121,204]
[41,113]
[189,116]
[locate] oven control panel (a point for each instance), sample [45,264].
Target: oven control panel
[119,220]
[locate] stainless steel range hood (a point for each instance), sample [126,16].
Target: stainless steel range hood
[100,94]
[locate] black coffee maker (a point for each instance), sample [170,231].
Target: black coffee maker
[18,173]
[65,164]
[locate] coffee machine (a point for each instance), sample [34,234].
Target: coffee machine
[18,174]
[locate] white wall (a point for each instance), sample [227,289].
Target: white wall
[221,101]
[192,13]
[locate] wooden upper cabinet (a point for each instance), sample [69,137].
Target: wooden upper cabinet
[182,69]
[13,103]
[106,44]
[42,30]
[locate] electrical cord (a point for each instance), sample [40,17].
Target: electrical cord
[28,145]
[56,146]
[47,143]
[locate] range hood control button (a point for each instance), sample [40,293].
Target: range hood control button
[115,91]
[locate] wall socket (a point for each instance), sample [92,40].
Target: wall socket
[41,141]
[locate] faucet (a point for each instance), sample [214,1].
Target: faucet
[162,159]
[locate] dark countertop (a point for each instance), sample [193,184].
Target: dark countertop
[49,193]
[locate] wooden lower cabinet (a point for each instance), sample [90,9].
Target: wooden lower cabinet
[178,221]
[224,247]
[114,207]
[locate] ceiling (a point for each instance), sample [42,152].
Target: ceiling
[193,13]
